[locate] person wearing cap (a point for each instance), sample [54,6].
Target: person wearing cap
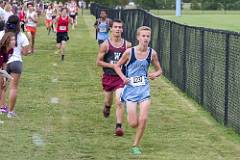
[14,63]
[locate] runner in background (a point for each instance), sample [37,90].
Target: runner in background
[22,17]
[102,26]
[110,51]
[48,18]
[54,16]
[31,25]
[73,13]
[62,23]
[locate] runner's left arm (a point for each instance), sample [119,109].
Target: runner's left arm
[157,67]
[96,24]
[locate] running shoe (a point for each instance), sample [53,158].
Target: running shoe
[119,132]
[4,109]
[106,111]
[136,151]
[11,114]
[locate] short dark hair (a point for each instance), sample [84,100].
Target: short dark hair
[29,3]
[64,8]
[104,10]
[117,21]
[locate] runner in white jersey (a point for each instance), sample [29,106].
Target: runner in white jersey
[31,25]
[73,13]
[49,18]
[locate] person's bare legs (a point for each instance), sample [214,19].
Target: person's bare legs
[3,96]
[62,49]
[29,36]
[58,47]
[33,42]
[119,113]
[132,114]
[142,121]
[108,98]
[119,106]
[13,90]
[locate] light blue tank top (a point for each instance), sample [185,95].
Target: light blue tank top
[137,69]
[103,29]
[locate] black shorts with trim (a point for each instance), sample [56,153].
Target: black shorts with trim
[73,16]
[62,36]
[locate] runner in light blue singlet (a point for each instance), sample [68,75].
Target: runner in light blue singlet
[138,89]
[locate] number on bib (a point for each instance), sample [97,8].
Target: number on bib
[137,81]
[62,28]
[103,30]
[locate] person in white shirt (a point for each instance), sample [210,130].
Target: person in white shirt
[14,64]
[48,18]
[73,13]
[31,25]
[8,12]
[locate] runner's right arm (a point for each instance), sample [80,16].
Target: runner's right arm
[123,60]
[102,51]
[96,25]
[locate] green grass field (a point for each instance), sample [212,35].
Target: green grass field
[226,20]
[74,128]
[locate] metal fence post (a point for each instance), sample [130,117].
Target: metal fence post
[171,48]
[202,67]
[184,59]
[226,80]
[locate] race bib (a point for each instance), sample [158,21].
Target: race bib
[137,81]
[113,62]
[103,30]
[62,28]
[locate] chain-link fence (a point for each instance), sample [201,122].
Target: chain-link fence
[204,63]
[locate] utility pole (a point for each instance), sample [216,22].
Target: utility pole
[178,8]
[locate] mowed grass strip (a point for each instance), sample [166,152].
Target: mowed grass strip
[74,128]
[209,19]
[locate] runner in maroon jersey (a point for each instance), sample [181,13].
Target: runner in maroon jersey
[62,31]
[110,52]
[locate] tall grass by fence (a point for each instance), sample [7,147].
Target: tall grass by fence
[204,63]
